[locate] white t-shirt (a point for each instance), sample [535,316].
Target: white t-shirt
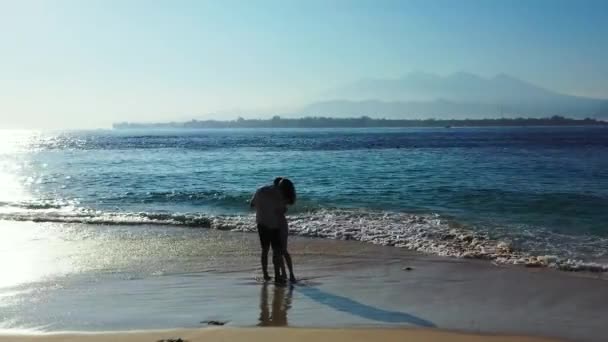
[269,207]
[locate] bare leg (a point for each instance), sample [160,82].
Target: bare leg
[284,235]
[292,277]
[265,244]
[277,256]
[265,263]
[283,273]
[277,260]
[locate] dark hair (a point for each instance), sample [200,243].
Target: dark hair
[277,181]
[288,190]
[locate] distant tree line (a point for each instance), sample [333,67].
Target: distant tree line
[362,122]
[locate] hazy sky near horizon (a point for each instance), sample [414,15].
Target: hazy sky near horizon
[69,64]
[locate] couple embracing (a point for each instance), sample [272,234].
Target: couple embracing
[270,203]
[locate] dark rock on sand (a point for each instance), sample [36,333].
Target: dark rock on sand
[214,322]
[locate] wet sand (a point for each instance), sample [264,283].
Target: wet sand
[279,335]
[156,278]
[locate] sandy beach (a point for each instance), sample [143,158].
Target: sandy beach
[150,279]
[304,171]
[279,334]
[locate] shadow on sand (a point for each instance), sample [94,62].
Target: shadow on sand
[353,307]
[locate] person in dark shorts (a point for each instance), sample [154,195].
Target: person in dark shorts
[270,203]
[269,215]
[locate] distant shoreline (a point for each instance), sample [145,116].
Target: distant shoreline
[362,122]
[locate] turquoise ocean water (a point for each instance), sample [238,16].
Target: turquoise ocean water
[542,190]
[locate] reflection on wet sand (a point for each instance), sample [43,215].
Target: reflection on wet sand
[281,303]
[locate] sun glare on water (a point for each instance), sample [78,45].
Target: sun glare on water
[13,147]
[22,258]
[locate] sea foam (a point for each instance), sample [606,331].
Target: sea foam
[429,233]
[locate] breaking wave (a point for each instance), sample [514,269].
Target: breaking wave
[430,234]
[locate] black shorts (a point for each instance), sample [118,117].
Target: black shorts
[270,238]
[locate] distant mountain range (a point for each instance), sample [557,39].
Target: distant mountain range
[457,96]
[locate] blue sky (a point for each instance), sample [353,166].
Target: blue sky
[90,63]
